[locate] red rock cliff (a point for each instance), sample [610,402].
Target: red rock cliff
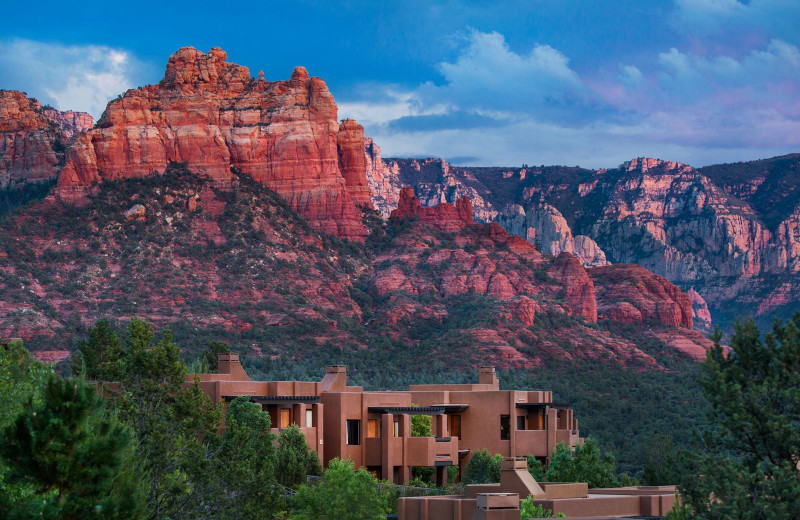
[71,123]
[30,146]
[212,115]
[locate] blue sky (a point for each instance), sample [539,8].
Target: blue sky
[592,83]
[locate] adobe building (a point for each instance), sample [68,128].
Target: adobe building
[574,499]
[373,429]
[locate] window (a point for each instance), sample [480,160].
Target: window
[455,426]
[396,431]
[309,418]
[505,427]
[285,418]
[520,422]
[373,427]
[353,432]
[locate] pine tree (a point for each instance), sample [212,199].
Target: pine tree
[100,358]
[294,458]
[210,355]
[747,468]
[75,454]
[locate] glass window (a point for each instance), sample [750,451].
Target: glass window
[520,422]
[353,432]
[309,418]
[505,427]
[396,432]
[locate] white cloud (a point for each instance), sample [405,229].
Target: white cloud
[70,77]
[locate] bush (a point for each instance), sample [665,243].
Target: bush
[527,509]
[343,493]
[482,468]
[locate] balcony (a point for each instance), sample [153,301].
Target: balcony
[531,442]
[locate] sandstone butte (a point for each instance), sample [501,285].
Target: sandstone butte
[210,114]
[32,138]
[619,292]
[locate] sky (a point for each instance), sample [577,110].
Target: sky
[574,82]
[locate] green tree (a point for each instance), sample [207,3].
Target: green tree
[100,357]
[210,355]
[343,493]
[588,465]
[536,468]
[482,468]
[747,468]
[663,467]
[294,458]
[77,457]
[175,427]
[244,461]
[22,381]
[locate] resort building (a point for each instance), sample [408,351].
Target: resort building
[373,429]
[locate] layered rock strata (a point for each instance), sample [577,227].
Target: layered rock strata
[210,114]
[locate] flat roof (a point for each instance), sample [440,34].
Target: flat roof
[278,399]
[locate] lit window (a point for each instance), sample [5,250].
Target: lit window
[373,427]
[309,418]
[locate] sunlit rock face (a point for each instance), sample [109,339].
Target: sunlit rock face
[210,114]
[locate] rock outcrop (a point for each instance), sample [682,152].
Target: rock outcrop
[71,123]
[631,293]
[384,179]
[444,217]
[210,114]
[31,147]
[544,226]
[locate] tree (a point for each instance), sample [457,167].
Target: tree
[421,426]
[77,457]
[527,509]
[22,380]
[588,465]
[210,355]
[482,468]
[244,464]
[343,493]
[747,468]
[100,357]
[294,459]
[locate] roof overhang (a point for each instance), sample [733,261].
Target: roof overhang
[543,405]
[407,410]
[278,399]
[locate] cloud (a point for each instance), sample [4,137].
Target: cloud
[493,105]
[69,77]
[732,22]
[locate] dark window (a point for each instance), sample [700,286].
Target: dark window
[505,427]
[353,432]
[455,426]
[520,422]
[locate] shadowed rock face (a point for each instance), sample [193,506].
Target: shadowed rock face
[31,147]
[212,115]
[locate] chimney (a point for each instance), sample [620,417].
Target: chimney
[487,376]
[335,379]
[228,363]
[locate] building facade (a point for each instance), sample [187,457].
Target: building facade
[373,429]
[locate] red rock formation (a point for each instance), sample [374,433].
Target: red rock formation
[579,289]
[30,146]
[444,217]
[209,113]
[353,162]
[71,123]
[628,292]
